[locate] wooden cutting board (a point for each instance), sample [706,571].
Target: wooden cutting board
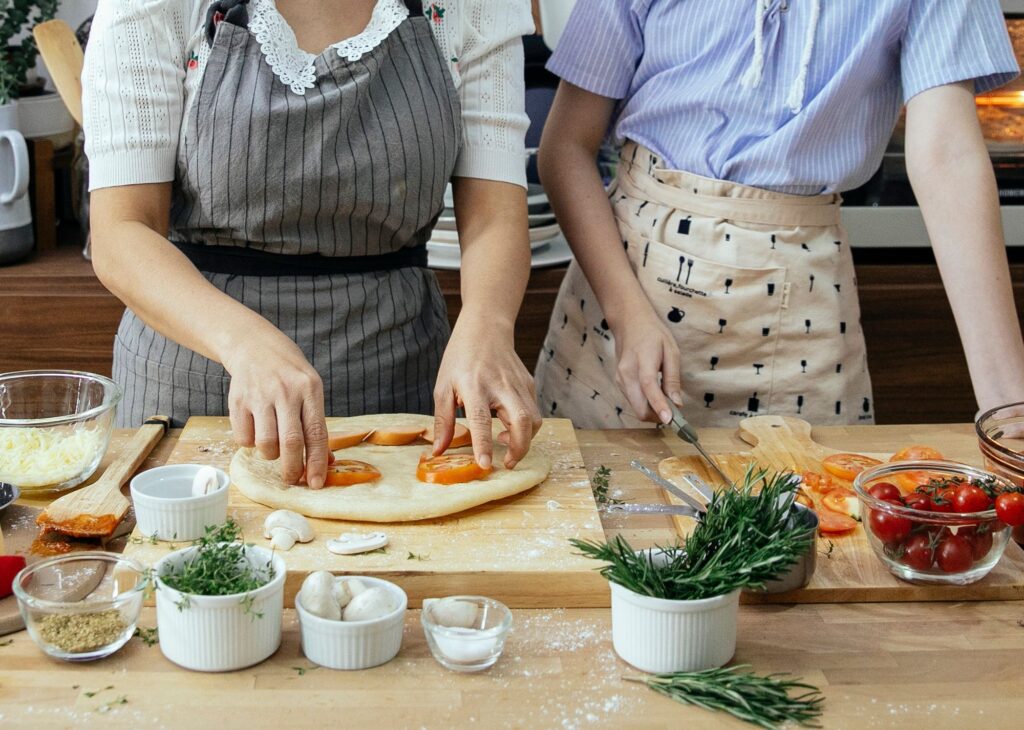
[515,550]
[851,572]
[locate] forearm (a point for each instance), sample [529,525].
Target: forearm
[956,190]
[495,241]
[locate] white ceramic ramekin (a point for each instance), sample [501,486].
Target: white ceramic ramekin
[220,633]
[354,644]
[165,507]
[659,636]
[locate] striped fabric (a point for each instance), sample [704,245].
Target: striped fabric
[357,166]
[677,66]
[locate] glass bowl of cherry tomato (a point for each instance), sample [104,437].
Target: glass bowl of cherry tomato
[1001,442]
[934,521]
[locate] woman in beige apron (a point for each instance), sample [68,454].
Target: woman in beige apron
[729,288]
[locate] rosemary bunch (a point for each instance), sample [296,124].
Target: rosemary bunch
[766,700]
[219,566]
[747,537]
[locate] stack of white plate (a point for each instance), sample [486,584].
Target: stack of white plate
[548,246]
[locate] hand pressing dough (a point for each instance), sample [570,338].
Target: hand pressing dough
[398,496]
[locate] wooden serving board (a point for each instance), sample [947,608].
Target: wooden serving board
[851,572]
[515,550]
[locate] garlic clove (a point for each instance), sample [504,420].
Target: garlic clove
[453,612]
[205,481]
[342,592]
[355,586]
[316,595]
[371,604]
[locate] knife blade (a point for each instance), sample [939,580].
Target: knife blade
[688,433]
[653,509]
[667,485]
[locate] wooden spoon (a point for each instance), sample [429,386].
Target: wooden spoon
[64,59]
[96,510]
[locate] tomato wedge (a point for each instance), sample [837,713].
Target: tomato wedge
[818,482]
[397,436]
[449,469]
[461,437]
[346,472]
[833,523]
[337,440]
[842,501]
[848,466]
[917,453]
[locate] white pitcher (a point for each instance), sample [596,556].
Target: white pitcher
[16,237]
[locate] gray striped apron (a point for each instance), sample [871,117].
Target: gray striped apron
[347,179]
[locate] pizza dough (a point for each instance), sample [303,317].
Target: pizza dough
[398,496]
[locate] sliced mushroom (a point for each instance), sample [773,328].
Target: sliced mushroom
[284,528]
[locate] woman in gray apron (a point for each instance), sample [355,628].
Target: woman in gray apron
[304,192]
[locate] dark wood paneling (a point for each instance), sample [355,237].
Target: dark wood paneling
[55,314]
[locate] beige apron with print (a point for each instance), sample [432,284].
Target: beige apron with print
[758,288]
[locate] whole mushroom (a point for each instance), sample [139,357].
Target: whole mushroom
[284,528]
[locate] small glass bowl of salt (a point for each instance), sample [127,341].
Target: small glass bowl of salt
[466,633]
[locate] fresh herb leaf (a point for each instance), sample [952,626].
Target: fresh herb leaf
[601,486]
[108,706]
[747,537]
[414,556]
[380,550]
[766,700]
[831,548]
[302,670]
[7,643]
[149,637]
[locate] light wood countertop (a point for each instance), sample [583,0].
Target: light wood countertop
[940,665]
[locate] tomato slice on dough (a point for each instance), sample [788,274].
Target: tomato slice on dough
[449,469]
[398,436]
[833,523]
[346,472]
[461,437]
[344,439]
[848,466]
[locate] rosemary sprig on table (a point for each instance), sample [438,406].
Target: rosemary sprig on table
[219,567]
[746,538]
[766,700]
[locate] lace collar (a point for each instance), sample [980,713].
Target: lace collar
[294,66]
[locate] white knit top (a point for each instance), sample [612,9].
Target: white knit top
[145,60]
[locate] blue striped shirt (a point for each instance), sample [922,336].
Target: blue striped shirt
[677,66]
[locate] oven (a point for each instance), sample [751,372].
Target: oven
[883,213]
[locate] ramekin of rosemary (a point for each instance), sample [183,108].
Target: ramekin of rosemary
[219,602]
[674,608]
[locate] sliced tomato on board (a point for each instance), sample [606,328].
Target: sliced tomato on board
[449,469]
[908,481]
[338,440]
[461,437]
[395,436]
[917,453]
[346,472]
[804,497]
[833,523]
[848,466]
[842,501]
[818,482]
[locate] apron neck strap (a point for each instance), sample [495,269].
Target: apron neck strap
[415,7]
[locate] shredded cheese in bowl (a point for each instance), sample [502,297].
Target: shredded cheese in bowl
[42,457]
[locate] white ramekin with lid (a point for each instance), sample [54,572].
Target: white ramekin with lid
[339,644]
[166,508]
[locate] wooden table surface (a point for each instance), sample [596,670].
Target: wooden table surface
[936,665]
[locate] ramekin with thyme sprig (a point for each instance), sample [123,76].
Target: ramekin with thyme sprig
[219,602]
[674,608]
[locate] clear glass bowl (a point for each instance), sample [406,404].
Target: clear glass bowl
[55,427]
[472,648]
[81,606]
[1001,442]
[985,533]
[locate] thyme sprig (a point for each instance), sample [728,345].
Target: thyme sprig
[220,566]
[747,537]
[766,700]
[601,485]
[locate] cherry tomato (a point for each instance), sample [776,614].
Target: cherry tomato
[917,453]
[885,490]
[346,472]
[954,554]
[918,551]
[449,469]
[338,440]
[889,528]
[833,523]
[969,498]
[397,436]
[920,502]
[1010,508]
[840,500]
[943,502]
[461,437]
[848,466]
[980,537]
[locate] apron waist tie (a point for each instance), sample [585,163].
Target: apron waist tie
[253,262]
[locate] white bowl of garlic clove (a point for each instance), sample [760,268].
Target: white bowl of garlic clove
[350,622]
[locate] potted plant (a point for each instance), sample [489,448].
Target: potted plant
[219,602]
[40,112]
[674,608]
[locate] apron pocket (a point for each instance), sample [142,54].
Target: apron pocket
[713,298]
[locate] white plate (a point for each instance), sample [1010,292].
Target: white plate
[555,252]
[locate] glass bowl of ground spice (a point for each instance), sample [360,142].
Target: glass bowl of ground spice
[81,606]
